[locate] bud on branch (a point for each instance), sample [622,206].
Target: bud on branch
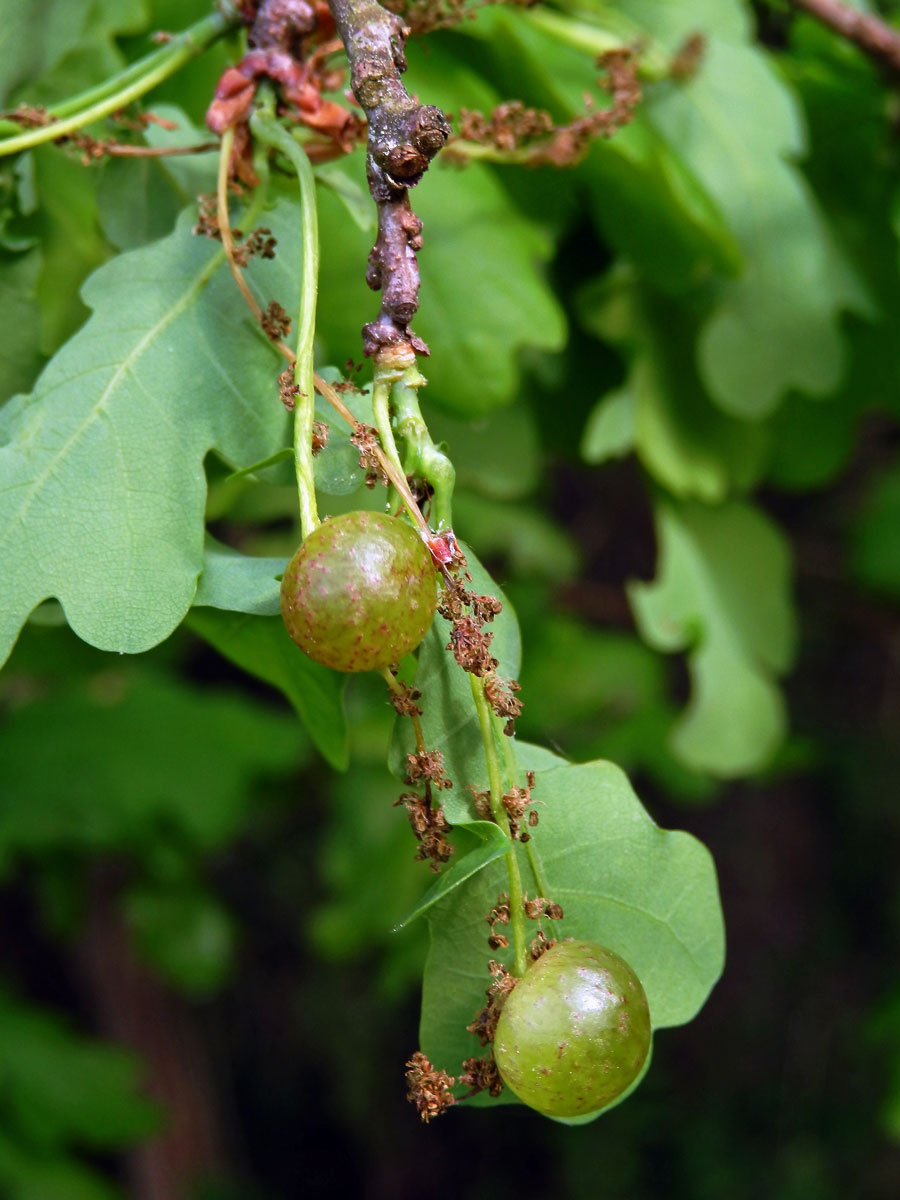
[403,138]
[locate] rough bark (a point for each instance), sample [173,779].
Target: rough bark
[403,138]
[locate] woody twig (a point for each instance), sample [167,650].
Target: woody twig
[403,138]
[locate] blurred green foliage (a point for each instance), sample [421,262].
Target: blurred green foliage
[668,379]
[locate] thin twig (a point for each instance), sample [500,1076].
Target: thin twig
[224,223]
[130,85]
[871,34]
[397,690]
[265,127]
[123,150]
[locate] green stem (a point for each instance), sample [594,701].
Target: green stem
[381,410]
[476,152]
[537,867]
[397,478]
[512,779]
[264,126]
[516,897]
[125,87]
[91,96]
[416,723]
[423,458]
[581,31]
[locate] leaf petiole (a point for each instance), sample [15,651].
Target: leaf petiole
[267,129]
[423,457]
[498,812]
[383,380]
[397,478]
[598,32]
[129,85]
[416,723]
[512,778]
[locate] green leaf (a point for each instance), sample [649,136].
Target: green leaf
[775,327]
[59,1086]
[687,444]
[443,68]
[72,245]
[482,296]
[722,594]
[192,87]
[90,765]
[139,199]
[614,705]
[610,429]
[488,841]
[646,199]
[25,1176]
[137,202]
[102,464]
[811,441]
[365,861]
[20,354]
[37,35]
[238,582]
[260,645]
[648,894]
[449,721]
[17,201]
[497,455]
[357,202]
[650,204]
[843,99]
[190,174]
[521,535]
[336,466]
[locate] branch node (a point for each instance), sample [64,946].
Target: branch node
[404,136]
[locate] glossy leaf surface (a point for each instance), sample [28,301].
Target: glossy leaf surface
[647,894]
[722,594]
[102,465]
